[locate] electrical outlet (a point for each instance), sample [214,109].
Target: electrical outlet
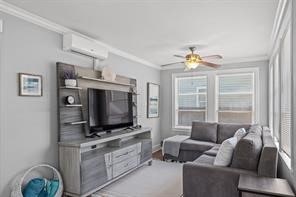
[1,25]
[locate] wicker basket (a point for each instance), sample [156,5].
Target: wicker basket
[39,171]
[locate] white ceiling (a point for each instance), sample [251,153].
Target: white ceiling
[156,29]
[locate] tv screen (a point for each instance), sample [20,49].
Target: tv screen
[109,109]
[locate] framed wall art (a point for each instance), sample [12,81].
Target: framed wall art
[30,85]
[152,100]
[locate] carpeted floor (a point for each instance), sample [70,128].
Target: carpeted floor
[162,179]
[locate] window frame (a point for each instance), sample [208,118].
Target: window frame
[281,50]
[212,91]
[255,93]
[175,94]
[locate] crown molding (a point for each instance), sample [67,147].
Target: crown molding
[225,61]
[40,21]
[277,23]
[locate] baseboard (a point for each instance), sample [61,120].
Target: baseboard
[156,148]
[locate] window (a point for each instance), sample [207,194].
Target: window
[281,85]
[286,95]
[235,98]
[215,96]
[190,100]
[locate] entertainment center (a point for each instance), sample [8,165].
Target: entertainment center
[89,161]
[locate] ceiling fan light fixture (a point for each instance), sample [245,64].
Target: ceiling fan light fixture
[191,65]
[192,61]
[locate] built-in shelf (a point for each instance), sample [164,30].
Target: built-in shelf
[105,81]
[77,123]
[71,87]
[74,105]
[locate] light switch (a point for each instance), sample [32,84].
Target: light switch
[1,26]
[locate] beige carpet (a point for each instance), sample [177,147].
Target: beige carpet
[162,179]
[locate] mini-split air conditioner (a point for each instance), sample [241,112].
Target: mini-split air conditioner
[78,44]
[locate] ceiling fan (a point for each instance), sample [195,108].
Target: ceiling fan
[193,60]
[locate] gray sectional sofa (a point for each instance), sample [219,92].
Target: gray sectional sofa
[254,154]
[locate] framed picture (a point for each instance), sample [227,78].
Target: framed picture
[153,100]
[30,85]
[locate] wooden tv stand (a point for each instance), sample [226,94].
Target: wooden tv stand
[90,164]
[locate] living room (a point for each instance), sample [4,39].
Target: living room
[144,98]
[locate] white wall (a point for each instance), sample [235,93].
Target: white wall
[166,94]
[28,127]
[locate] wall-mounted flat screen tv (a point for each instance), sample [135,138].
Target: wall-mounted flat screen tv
[109,110]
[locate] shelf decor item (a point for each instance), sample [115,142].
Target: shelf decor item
[70,100]
[108,74]
[70,78]
[30,85]
[153,100]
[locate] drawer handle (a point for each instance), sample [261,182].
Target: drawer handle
[122,155]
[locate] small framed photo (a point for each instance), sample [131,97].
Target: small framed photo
[153,100]
[30,85]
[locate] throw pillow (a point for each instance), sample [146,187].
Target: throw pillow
[240,133]
[255,128]
[224,155]
[247,152]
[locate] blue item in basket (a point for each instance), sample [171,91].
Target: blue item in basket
[34,187]
[52,187]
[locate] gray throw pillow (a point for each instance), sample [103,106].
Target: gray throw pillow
[204,131]
[255,128]
[224,155]
[247,152]
[227,130]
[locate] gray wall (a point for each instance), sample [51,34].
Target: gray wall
[28,127]
[166,94]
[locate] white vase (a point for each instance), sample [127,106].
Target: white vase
[108,74]
[71,82]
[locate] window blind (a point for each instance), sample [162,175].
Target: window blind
[286,95]
[235,98]
[190,100]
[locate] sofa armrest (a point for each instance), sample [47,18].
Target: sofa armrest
[200,180]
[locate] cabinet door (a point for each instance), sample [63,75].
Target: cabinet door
[94,172]
[146,152]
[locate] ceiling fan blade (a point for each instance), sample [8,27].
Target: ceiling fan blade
[212,57]
[210,64]
[171,64]
[180,56]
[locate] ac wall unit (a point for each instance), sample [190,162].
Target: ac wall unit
[84,46]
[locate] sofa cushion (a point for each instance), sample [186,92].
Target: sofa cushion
[225,152]
[255,128]
[205,159]
[213,151]
[247,152]
[195,145]
[204,131]
[226,131]
[240,133]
